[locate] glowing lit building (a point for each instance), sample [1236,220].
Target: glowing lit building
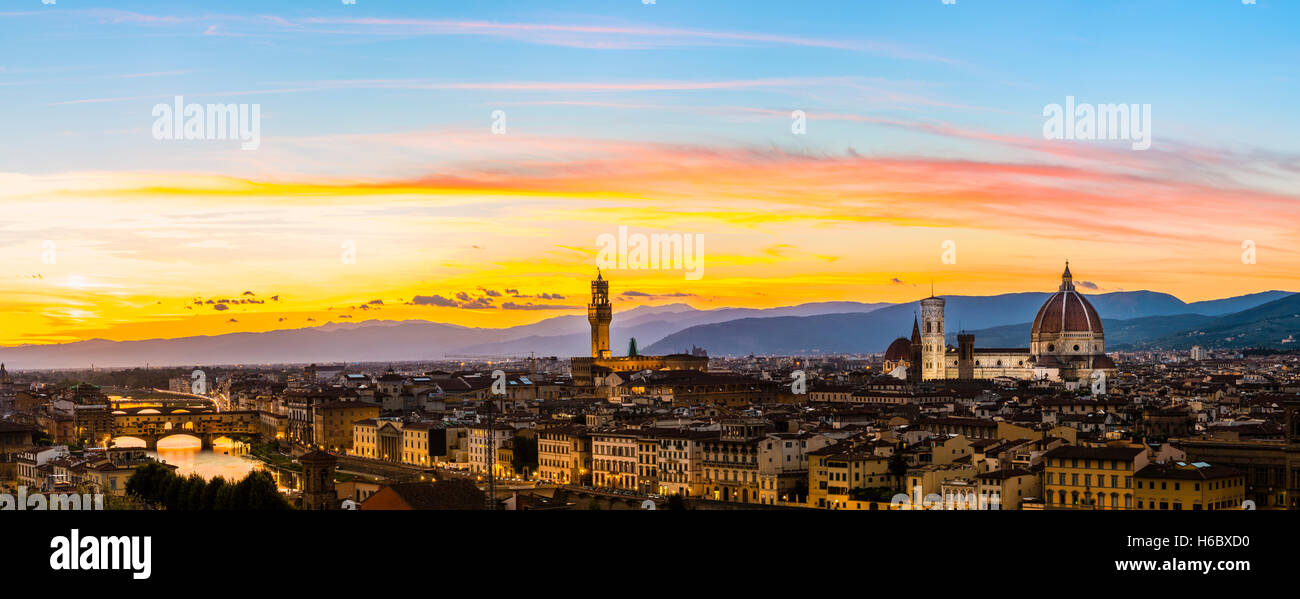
[1066,343]
[586,371]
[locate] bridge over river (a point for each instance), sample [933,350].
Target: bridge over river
[151,424]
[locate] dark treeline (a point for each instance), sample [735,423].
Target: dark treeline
[157,485]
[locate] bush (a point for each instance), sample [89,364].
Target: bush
[156,485]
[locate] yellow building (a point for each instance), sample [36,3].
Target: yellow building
[1015,432]
[1098,478]
[392,439]
[564,454]
[679,465]
[332,422]
[834,471]
[614,460]
[929,480]
[484,445]
[1010,486]
[939,450]
[1189,486]
[730,462]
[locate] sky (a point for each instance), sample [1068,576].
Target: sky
[458,162]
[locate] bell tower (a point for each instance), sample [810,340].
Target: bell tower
[932,344]
[318,481]
[599,314]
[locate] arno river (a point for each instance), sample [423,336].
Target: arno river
[224,459]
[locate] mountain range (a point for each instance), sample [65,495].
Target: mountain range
[1132,319]
[1129,317]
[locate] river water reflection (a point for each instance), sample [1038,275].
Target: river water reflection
[229,460]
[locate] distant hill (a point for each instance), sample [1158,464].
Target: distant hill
[997,321]
[1266,325]
[390,340]
[649,326]
[1230,305]
[1120,334]
[1130,317]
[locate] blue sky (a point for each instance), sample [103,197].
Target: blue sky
[924,125]
[1217,71]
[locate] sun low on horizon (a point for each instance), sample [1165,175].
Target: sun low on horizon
[869,158]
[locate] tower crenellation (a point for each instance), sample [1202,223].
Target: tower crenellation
[600,313]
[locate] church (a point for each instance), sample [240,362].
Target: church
[1066,343]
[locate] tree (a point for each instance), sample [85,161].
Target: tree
[209,499]
[898,466]
[261,493]
[225,497]
[155,484]
[173,490]
[525,454]
[148,482]
[881,494]
[192,498]
[125,503]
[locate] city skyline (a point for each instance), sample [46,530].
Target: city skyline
[662,118]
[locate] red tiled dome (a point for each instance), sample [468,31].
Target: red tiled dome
[900,350]
[1067,311]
